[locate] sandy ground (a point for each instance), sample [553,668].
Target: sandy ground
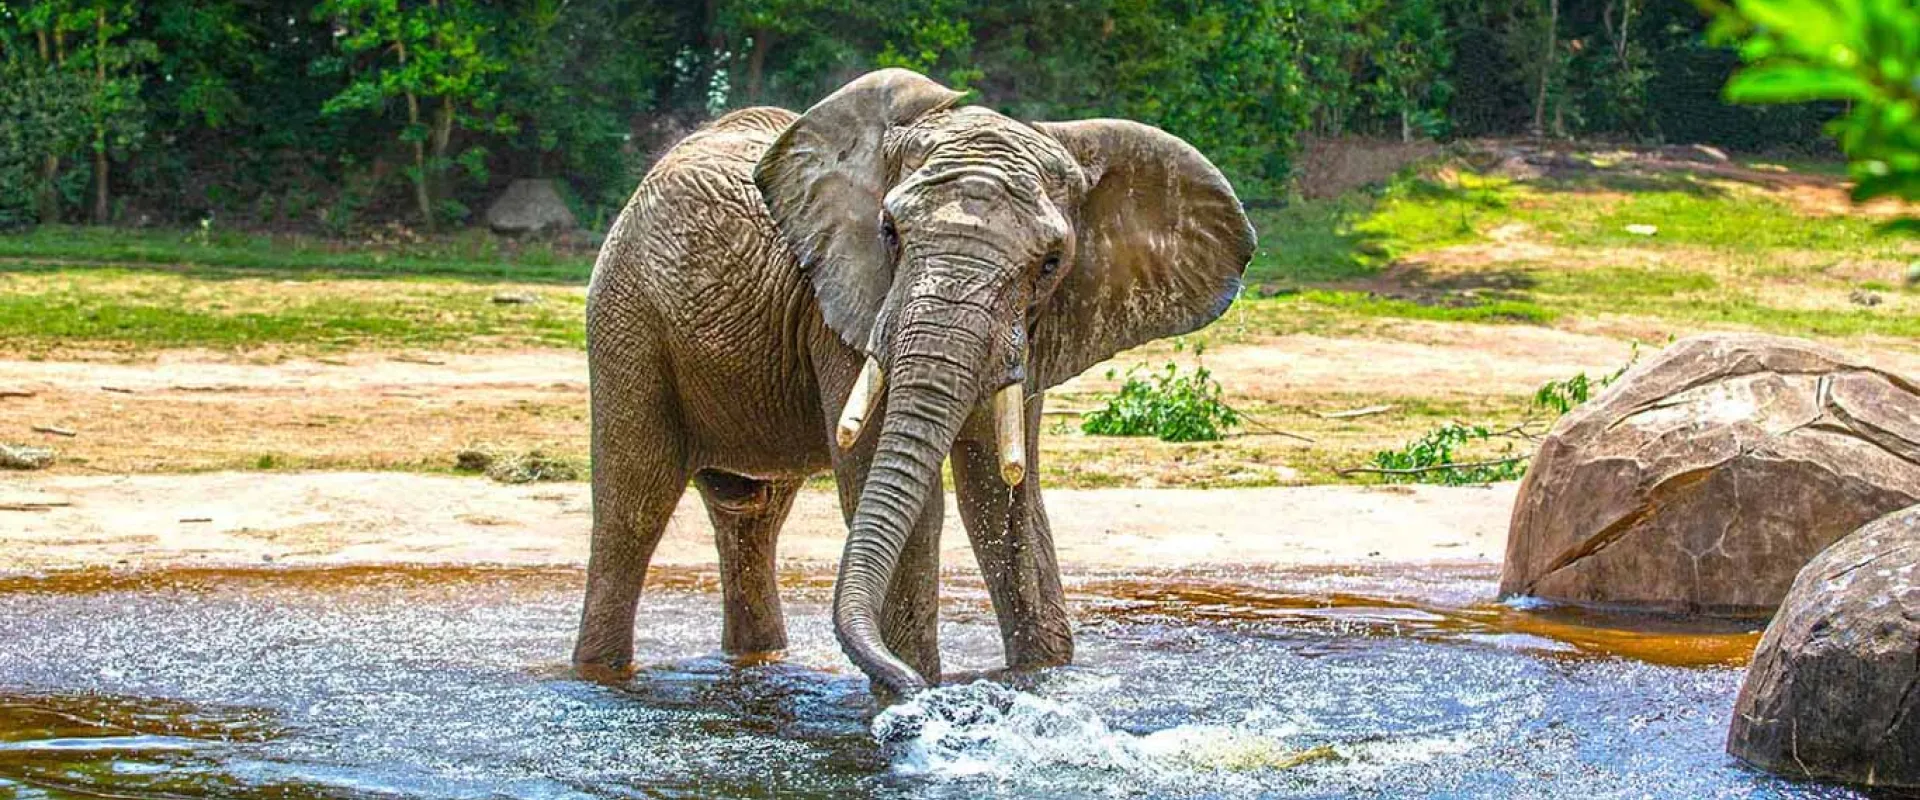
[199,411]
[58,522]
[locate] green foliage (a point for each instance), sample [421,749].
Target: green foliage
[338,115]
[47,117]
[1563,396]
[1435,458]
[1166,404]
[1865,53]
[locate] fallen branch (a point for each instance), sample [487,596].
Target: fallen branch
[406,359]
[1434,468]
[1356,412]
[35,505]
[1257,425]
[196,519]
[52,431]
[15,393]
[1262,427]
[116,389]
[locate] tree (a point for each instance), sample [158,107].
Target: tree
[435,57]
[115,109]
[76,50]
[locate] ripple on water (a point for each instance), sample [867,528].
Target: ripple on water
[449,684]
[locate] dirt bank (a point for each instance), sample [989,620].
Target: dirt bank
[76,521]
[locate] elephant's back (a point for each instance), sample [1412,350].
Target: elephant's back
[696,227]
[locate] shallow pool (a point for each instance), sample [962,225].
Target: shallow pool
[452,683]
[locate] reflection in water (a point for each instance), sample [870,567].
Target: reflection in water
[449,683]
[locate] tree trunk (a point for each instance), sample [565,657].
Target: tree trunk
[49,194]
[102,210]
[757,63]
[1547,57]
[48,199]
[101,206]
[421,197]
[442,140]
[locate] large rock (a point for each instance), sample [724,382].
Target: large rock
[1706,477]
[1832,690]
[529,205]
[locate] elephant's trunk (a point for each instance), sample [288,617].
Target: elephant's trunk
[932,387]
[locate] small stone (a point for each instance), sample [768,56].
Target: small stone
[532,467]
[1913,274]
[530,205]
[1862,297]
[516,298]
[472,460]
[25,457]
[1642,230]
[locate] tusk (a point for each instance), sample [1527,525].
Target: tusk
[860,404]
[1009,430]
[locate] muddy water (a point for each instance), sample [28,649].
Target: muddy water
[449,683]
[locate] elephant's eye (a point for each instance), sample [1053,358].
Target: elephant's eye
[889,235]
[1050,266]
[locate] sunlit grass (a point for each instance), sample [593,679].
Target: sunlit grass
[471,255]
[120,309]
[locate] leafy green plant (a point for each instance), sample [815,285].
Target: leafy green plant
[1166,404]
[1433,458]
[1865,53]
[1563,396]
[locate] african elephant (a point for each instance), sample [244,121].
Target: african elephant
[876,286]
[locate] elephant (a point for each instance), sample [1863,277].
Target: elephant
[886,282]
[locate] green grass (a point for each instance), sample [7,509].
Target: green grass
[1361,304]
[474,255]
[118,308]
[1737,221]
[1352,237]
[1720,251]
[1612,284]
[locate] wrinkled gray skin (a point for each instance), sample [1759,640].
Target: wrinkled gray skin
[766,256]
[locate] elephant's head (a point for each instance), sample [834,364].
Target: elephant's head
[972,257]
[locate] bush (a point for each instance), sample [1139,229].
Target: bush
[1166,404]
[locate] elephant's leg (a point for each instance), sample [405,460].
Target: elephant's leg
[1014,544]
[639,473]
[747,515]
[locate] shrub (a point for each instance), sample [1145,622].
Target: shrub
[1167,404]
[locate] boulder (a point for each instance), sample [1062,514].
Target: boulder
[1704,479]
[1832,693]
[529,205]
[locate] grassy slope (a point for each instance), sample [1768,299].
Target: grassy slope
[1724,256]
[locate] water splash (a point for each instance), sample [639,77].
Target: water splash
[987,730]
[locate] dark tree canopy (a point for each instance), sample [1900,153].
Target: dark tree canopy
[332,115]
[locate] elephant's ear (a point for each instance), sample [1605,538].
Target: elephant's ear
[1160,244]
[824,179]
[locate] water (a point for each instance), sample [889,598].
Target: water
[451,683]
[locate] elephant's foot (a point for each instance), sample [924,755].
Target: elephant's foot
[1047,644]
[605,672]
[747,635]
